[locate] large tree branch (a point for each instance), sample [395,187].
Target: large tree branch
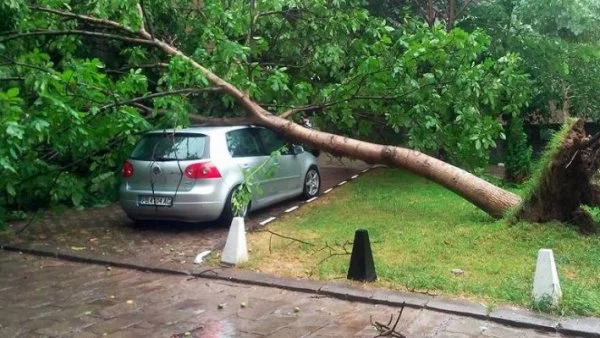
[290,112]
[12,78]
[463,7]
[123,70]
[43,32]
[161,94]
[86,18]
[146,20]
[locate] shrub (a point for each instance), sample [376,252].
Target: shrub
[518,154]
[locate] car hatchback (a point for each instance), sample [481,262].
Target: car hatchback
[190,174]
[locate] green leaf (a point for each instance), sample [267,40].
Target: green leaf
[10,189]
[13,92]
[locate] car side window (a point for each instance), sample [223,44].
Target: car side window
[272,141]
[243,143]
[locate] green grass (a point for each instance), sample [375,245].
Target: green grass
[419,232]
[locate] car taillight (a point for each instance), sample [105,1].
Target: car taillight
[127,170]
[202,170]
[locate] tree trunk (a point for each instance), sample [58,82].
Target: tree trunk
[566,184]
[490,198]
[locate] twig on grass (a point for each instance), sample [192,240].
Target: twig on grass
[284,236]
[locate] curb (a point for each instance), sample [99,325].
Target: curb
[90,259]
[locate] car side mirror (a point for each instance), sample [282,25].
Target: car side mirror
[296,149]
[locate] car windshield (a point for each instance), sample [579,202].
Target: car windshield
[171,147]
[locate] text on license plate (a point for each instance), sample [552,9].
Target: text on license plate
[161,201]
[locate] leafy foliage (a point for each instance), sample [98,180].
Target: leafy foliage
[244,192]
[518,152]
[558,41]
[75,103]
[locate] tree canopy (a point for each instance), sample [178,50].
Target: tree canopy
[76,90]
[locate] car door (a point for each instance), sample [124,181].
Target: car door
[286,180]
[247,152]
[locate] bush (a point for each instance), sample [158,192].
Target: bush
[518,153]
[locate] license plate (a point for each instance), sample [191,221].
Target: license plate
[160,201]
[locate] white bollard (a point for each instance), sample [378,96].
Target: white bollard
[546,285]
[236,250]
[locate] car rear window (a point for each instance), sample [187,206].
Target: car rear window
[171,147]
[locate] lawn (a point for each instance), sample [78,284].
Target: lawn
[419,232]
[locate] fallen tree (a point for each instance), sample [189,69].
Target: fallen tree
[563,185]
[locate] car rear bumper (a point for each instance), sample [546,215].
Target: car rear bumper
[186,207]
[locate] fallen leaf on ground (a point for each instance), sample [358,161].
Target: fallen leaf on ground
[77,248]
[129,301]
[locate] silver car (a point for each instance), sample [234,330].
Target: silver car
[190,174]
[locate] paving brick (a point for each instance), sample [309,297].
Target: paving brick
[115,324]
[295,332]
[118,309]
[427,324]
[335,330]
[169,317]
[11,331]
[257,308]
[66,326]
[264,327]
[470,326]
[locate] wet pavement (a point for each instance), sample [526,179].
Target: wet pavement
[107,233]
[46,297]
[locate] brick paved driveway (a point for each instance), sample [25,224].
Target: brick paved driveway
[108,233]
[43,297]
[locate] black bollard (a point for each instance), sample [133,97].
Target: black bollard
[362,267]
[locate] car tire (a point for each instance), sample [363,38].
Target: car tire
[227,214]
[312,183]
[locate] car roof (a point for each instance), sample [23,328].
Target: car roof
[208,130]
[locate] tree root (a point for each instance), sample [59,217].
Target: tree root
[564,183]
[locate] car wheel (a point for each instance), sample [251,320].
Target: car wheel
[227,214]
[312,183]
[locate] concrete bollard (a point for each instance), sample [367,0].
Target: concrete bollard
[362,267]
[236,249]
[546,286]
